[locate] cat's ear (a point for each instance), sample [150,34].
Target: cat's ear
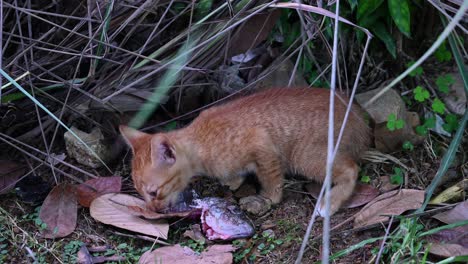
[162,151]
[131,135]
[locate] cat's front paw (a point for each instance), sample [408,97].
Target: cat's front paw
[321,209]
[255,204]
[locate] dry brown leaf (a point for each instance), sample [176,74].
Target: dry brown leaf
[252,32]
[91,189]
[219,254]
[195,233]
[112,209]
[59,211]
[363,193]
[391,203]
[457,214]
[457,235]
[448,250]
[145,213]
[386,184]
[10,172]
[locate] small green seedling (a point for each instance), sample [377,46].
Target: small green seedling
[451,123]
[421,94]
[442,54]
[397,177]
[443,82]
[393,123]
[365,179]
[416,72]
[424,128]
[408,146]
[438,106]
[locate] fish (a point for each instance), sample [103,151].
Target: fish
[223,220]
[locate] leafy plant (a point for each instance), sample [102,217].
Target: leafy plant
[393,123]
[397,177]
[196,245]
[377,16]
[258,246]
[443,82]
[420,94]
[365,179]
[451,123]
[70,250]
[408,146]
[416,72]
[438,106]
[424,128]
[442,54]
[3,248]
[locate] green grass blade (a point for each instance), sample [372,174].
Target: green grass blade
[17,96]
[446,161]
[354,247]
[166,83]
[435,230]
[459,259]
[458,57]
[51,114]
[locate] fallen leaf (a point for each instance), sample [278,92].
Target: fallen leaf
[457,235]
[391,203]
[457,214]
[83,256]
[451,193]
[386,184]
[219,254]
[252,32]
[363,193]
[91,189]
[10,172]
[59,211]
[195,233]
[145,213]
[112,209]
[448,250]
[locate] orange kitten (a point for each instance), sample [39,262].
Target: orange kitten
[269,133]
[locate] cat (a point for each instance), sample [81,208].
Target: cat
[270,133]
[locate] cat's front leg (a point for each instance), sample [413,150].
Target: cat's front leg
[270,175]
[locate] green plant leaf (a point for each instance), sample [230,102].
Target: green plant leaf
[365,179]
[451,123]
[408,146]
[420,94]
[399,9]
[391,119]
[421,130]
[438,106]
[430,122]
[397,177]
[353,3]
[399,124]
[381,32]
[416,72]
[442,54]
[202,8]
[443,82]
[365,7]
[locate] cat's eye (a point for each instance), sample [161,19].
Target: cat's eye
[153,193]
